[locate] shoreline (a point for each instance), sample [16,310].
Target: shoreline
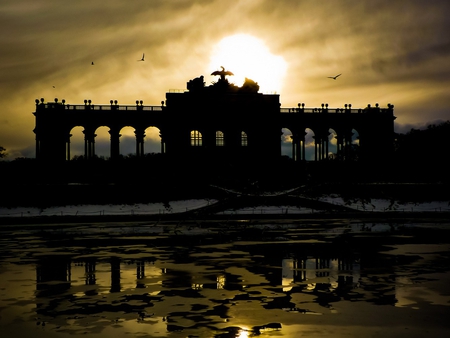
[367,216]
[384,202]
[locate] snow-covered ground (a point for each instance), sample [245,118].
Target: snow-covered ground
[109,209]
[378,205]
[375,205]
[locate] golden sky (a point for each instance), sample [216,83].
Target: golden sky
[388,51]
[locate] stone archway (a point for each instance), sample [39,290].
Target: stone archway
[287,144]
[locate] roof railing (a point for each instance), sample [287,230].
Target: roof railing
[88,105]
[347,109]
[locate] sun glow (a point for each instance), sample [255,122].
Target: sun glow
[248,57]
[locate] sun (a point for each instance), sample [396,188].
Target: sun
[248,57]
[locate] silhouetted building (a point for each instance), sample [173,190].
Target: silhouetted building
[220,121]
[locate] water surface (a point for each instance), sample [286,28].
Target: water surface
[226,279]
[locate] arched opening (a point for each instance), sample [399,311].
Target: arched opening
[196,138]
[332,144]
[75,147]
[102,142]
[152,140]
[219,139]
[355,137]
[127,147]
[353,153]
[310,146]
[286,143]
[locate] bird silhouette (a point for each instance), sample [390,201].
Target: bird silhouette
[334,77]
[143,55]
[92,63]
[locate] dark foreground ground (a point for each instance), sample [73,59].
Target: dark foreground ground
[32,183]
[45,195]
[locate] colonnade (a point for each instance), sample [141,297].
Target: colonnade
[321,145]
[115,135]
[55,121]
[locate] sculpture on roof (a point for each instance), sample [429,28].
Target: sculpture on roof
[249,86]
[222,85]
[196,84]
[222,73]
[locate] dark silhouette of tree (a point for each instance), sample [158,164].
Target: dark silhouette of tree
[430,144]
[421,154]
[3,152]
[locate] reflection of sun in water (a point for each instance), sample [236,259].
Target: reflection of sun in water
[248,57]
[243,334]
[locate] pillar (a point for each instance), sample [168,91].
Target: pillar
[348,145]
[68,147]
[89,143]
[294,147]
[303,147]
[115,143]
[140,135]
[340,146]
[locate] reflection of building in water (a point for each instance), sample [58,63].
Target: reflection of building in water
[53,275]
[90,277]
[196,286]
[140,274]
[219,285]
[89,269]
[140,269]
[115,274]
[337,272]
[293,270]
[221,280]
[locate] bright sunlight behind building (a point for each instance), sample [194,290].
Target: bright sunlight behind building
[248,57]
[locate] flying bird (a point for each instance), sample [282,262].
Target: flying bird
[334,77]
[142,57]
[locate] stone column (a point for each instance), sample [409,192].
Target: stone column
[295,147]
[140,135]
[89,143]
[68,147]
[115,142]
[303,147]
[348,144]
[340,146]
[316,147]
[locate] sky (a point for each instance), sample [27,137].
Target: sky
[388,51]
